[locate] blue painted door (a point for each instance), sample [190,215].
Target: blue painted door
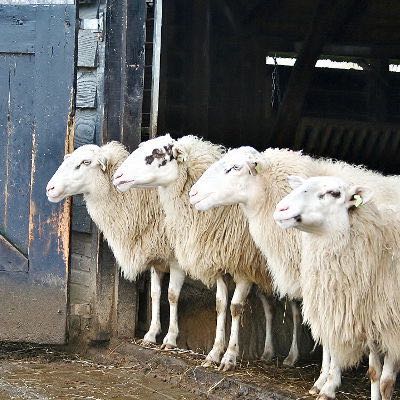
[37,47]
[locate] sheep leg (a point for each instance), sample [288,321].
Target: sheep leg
[293,355]
[320,382]
[334,380]
[155,291]
[221,303]
[388,378]
[176,279]
[268,345]
[239,297]
[374,371]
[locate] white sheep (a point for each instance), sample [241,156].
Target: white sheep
[349,272]
[237,178]
[206,245]
[132,223]
[257,181]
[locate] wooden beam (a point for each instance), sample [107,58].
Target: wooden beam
[328,19]
[11,259]
[113,84]
[133,72]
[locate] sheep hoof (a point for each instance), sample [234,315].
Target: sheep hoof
[207,363]
[314,391]
[267,356]
[213,357]
[290,361]
[149,339]
[167,346]
[227,366]
[324,397]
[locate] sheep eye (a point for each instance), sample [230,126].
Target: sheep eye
[86,162]
[236,167]
[334,193]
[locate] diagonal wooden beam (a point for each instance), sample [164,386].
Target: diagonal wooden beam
[329,17]
[11,259]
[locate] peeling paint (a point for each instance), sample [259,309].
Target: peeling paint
[32,213]
[10,130]
[63,231]
[32,208]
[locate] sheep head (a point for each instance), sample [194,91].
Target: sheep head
[319,204]
[77,174]
[230,180]
[154,163]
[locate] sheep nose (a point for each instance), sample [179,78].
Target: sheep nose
[49,188]
[117,175]
[192,192]
[283,208]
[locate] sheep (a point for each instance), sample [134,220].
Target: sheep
[132,223]
[206,245]
[257,181]
[234,179]
[349,272]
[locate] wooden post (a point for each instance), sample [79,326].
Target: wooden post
[329,18]
[155,83]
[133,72]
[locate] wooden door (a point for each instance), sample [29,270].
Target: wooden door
[37,47]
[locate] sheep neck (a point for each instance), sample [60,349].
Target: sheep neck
[281,248]
[129,222]
[196,235]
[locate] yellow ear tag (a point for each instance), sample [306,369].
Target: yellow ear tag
[258,168]
[359,200]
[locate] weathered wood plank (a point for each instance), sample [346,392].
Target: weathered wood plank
[11,259]
[81,221]
[133,72]
[87,48]
[86,91]
[127,311]
[113,84]
[36,2]
[82,263]
[85,127]
[79,293]
[17,30]
[38,87]
[17,122]
[49,223]
[81,244]
[80,277]
[95,24]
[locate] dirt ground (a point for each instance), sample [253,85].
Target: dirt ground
[127,370]
[31,372]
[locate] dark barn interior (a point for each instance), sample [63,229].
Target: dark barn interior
[214,81]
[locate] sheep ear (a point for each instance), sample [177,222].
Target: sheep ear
[67,156]
[103,162]
[358,196]
[295,181]
[254,167]
[178,153]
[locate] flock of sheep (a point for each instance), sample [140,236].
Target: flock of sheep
[218,213]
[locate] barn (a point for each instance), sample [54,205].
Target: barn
[312,75]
